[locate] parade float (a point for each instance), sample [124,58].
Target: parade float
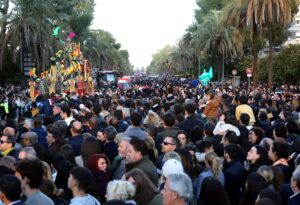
[68,72]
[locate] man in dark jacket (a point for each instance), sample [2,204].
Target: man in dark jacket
[168,129]
[190,121]
[77,138]
[46,106]
[295,185]
[40,131]
[109,147]
[56,112]
[137,157]
[10,190]
[234,172]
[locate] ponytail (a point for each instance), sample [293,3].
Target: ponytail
[214,163]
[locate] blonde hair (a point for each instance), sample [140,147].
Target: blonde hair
[266,172]
[152,118]
[47,171]
[213,162]
[120,190]
[151,145]
[126,112]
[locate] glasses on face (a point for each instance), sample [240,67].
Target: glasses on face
[168,143]
[2,141]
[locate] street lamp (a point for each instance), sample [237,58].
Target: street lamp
[223,68]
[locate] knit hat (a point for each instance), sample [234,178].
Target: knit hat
[172,166]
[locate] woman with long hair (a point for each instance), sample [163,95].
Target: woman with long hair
[268,174]
[256,134]
[187,161]
[255,183]
[212,193]
[213,169]
[145,189]
[68,153]
[279,153]
[98,164]
[89,146]
[257,156]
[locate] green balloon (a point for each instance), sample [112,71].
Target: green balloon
[56,31]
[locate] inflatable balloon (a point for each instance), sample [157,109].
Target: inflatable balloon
[205,77]
[56,31]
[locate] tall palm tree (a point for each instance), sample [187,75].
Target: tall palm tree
[4,20]
[263,14]
[103,52]
[212,37]
[28,27]
[182,57]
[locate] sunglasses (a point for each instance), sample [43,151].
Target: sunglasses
[168,143]
[2,141]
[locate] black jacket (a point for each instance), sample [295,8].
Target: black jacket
[189,123]
[235,178]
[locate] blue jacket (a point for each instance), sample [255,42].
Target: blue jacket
[42,135]
[76,142]
[45,108]
[295,200]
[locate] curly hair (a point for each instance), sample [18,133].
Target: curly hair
[118,189]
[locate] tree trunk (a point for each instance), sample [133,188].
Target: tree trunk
[3,32]
[44,58]
[35,50]
[254,53]
[219,67]
[270,59]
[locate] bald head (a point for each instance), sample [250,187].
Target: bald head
[9,131]
[93,122]
[76,128]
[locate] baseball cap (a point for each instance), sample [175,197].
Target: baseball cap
[172,166]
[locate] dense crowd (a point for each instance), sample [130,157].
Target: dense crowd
[158,143]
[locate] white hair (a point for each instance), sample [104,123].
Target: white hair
[296,176]
[120,190]
[30,153]
[182,185]
[28,123]
[126,112]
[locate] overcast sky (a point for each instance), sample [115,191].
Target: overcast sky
[144,26]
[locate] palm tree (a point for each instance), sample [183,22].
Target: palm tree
[28,28]
[103,52]
[4,21]
[212,37]
[182,57]
[263,13]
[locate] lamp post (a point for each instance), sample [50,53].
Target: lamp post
[223,67]
[234,72]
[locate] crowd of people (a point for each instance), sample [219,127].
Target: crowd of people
[158,143]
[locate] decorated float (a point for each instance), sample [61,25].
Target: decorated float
[68,72]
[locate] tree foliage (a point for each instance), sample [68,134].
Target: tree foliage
[286,65]
[235,28]
[161,60]
[29,24]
